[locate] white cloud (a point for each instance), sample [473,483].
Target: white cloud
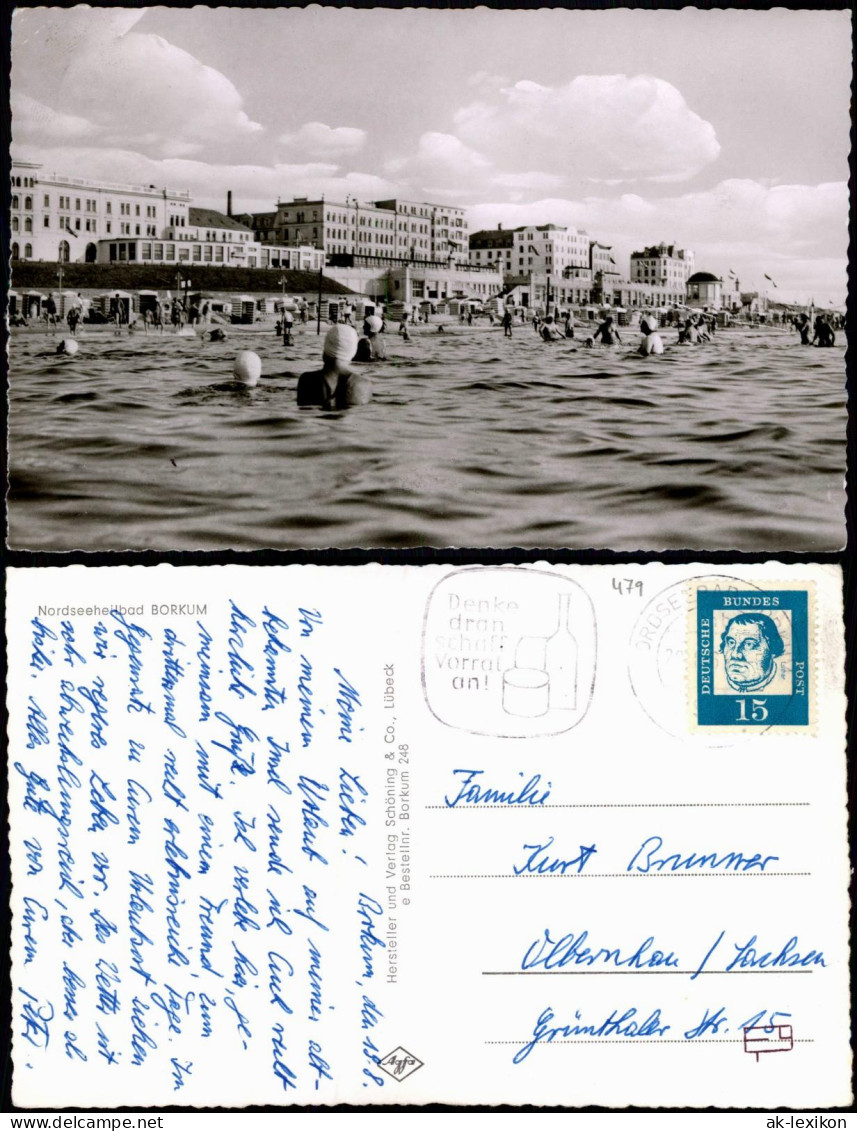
[610,126]
[41,125]
[439,155]
[320,140]
[135,90]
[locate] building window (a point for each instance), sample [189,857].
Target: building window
[28,224]
[137,210]
[171,251]
[15,251]
[146,251]
[197,253]
[28,203]
[47,200]
[207,253]
[132,251]
[108,208]
[77,204]
[46,222]
[16,203]
[136,229]
[16,224]
[218,254]
[159,251]
[28,251]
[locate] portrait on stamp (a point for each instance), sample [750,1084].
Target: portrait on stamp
[753,663]
[753,653]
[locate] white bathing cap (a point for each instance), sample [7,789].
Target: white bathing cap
[68,345]
[374,323]
[340,342]
[247,367]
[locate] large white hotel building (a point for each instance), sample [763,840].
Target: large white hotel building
[73,220]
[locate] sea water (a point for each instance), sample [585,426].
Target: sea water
[471,439]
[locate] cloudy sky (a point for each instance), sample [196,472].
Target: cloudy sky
[725,131]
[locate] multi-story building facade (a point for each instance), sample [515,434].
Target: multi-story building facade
[386,229]
[59,218]
[543,249]
[493,245]
[209,239]
[550,249]
[664,267]
[73,219]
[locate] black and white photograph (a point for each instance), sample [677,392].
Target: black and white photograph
[308,277]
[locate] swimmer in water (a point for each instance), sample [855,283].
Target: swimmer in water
[217,335]
[688,334]
[607,331]
[247,368]
[288,324]
[68,347]
[550,331]
[824,335]
[403,331]
[370,347]
[651,340]
[335,385]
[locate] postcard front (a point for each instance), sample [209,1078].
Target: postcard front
[377,835]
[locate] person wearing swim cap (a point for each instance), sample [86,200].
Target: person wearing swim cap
[370,347]
[651,341]
[335,385]
[247,368]
[68,347]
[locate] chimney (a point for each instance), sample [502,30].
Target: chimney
[229,202]
[499,227]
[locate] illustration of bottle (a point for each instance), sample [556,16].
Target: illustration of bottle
[561,660]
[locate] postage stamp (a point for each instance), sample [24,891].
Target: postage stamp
[752,658]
